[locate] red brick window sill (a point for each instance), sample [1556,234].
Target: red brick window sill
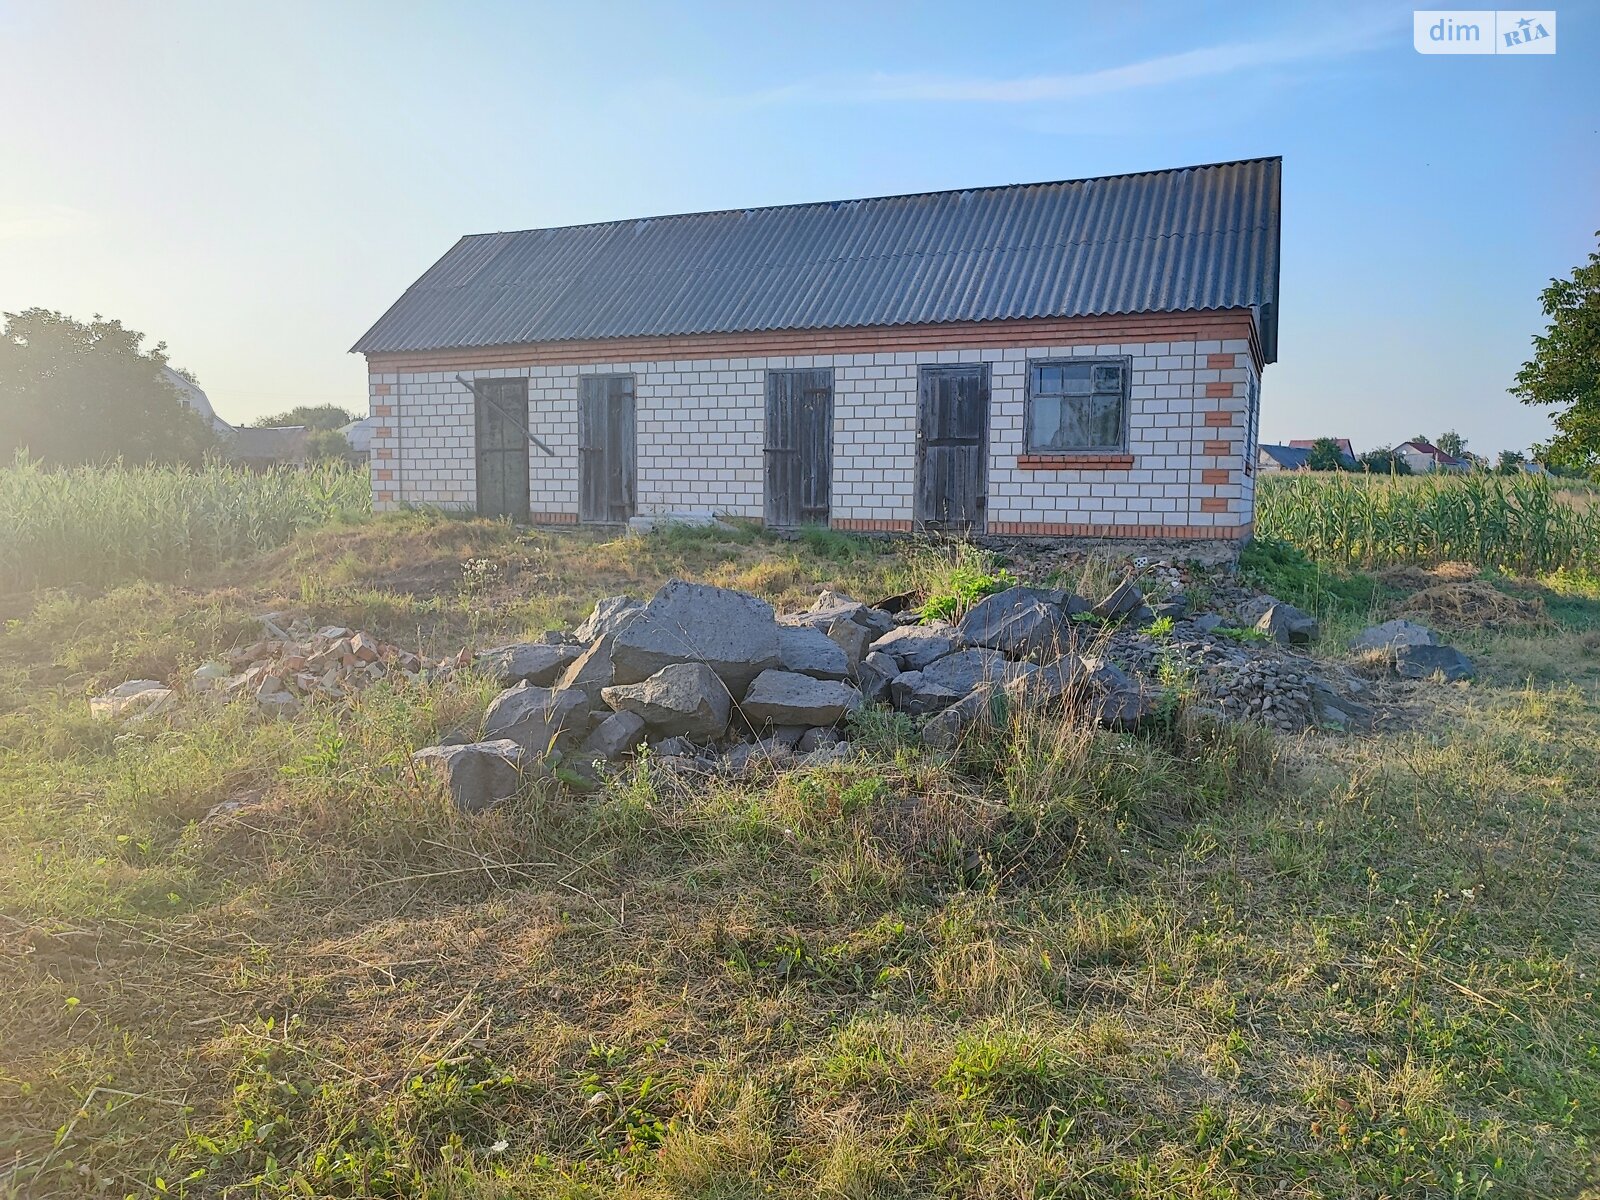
[1075,462]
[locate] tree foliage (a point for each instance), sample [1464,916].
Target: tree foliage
[312,416]
[1325,455]
[74,392]
[1382,460]
[1564,372]
[1452,443]
[1511,462]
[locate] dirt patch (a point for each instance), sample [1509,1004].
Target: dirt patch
[1474,604]
[1409,578]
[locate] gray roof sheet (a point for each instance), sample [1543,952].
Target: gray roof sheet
[1192,238]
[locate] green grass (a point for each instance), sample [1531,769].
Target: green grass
[1198,962]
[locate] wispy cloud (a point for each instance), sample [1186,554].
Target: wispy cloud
[1204,63]
[42,221]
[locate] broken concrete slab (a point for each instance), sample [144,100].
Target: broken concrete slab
[876,672]
[591,671]
[807,650]
[617,735]
[915,646]
[538,719]
[538,663]
[609,615]
[1020,622]
[686,699]
[478,775]
[785,698]
[733,633]
[141,696]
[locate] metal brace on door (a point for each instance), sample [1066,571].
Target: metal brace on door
[472,387]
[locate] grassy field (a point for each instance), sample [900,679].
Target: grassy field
[100,525]
[1519,522]
[1201,962]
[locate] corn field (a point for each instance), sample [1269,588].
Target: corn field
[104,525]
[1519,522]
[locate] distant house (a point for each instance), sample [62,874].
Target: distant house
[1346,450]
[1075,359]
[1281,458]
[359,434]
[247,447]
[1422,457]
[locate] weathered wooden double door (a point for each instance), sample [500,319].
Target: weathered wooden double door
[607,469]
[799,446]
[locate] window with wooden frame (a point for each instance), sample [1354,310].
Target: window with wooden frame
[1078,406]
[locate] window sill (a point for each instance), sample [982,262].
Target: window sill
[1074,462]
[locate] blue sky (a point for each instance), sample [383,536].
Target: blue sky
[255,184]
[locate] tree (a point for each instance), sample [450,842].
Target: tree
[1564,372]
[1325,455]
[328,443]
[72,392]
[1511,462]
[312,416]
[1384,461]
[1452,443]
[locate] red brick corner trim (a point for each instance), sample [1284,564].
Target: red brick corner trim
[553,518]
[1074,462]
[870,525]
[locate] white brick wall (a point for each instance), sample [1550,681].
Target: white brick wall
[699,428]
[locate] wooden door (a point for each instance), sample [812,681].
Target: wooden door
[502,447]
[952,447]
[606,448]
[799,446]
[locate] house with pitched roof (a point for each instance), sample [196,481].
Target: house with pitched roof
[1422,457]
[1077,359]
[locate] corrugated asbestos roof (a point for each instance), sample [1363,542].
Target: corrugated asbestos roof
[1193,238]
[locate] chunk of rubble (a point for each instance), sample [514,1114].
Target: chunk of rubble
[914,647]
[143,697]
[733,633]
[1429,662]
[686,699]
[609,615]
[1393,634]
[537,719]
[538,663]
[478,775]
[784,698]
[619,734]
[1020,622]
[807,650]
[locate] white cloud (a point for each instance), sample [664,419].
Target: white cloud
[1353,36]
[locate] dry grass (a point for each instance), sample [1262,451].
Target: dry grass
[1197,962]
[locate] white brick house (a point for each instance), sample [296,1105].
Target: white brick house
[1074,359]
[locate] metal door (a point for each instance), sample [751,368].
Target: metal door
[799,446]
[606,448]
[502,447]
[952,447]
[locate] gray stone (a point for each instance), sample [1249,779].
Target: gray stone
[986,706]
[806,650]
[826,756]
[1112,698]
[1208,622]
[538,719]
[852,638]
[915,646]
[1052,683]
[750,756]
[1177,607]
[876,672]
[832,605]
[478,775]
[538,663]
[1125,598]
[789,735]
[1425,662]
[784,698]
[615,736]
[686,698]
[733,633]
[673,747]
[1286,624]
[1020,622]
[1393,634]
[948,679]
[818,739]
[591,672]
[609,615]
